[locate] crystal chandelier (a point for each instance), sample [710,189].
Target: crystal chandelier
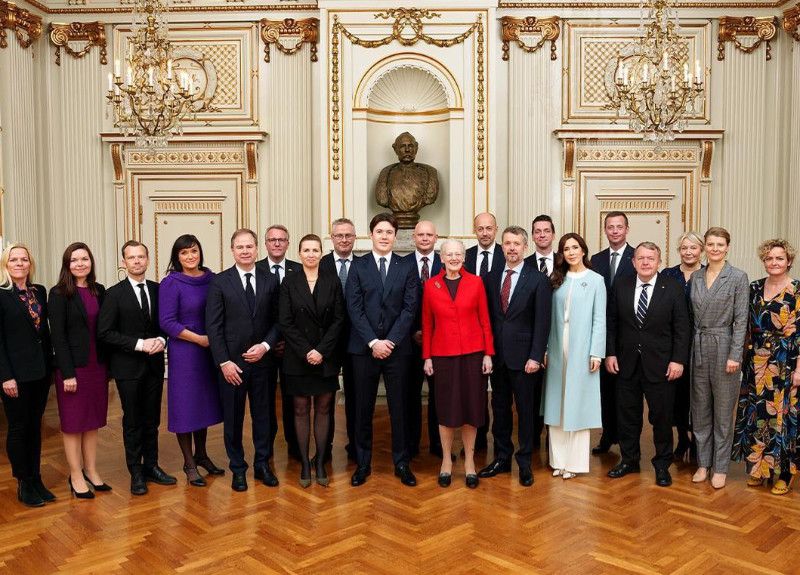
[646,82]
[153,99]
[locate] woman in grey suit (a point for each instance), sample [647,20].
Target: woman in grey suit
[720,297]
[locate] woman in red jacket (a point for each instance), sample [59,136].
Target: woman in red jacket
[457,345]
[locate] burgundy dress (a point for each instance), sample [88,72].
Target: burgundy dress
[86,409]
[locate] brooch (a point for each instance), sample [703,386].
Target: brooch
[437,284]
[584,284]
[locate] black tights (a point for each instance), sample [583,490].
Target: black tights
[185,443]
[322,423]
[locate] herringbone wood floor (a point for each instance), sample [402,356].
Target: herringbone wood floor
[582,526]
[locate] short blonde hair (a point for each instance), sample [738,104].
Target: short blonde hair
[5,277]
[692,237]
[769,245]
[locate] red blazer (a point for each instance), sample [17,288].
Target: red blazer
[455,327]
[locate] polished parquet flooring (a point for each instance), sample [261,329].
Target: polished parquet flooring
[583,526]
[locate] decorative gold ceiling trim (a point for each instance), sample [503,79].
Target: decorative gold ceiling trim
[306,30]
[184,8]
[791,22]
[27,27]
[731,28]
[93,33]
[569,4]
[513,28]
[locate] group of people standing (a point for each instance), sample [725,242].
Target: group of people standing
[569,341]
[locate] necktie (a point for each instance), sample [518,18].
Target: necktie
[145,303]
[641,307]
[505,291]
[613,271]
[543,265]
[276,269]
[383,269]
[343,271]
[484,264]
[426,272]
[250,293]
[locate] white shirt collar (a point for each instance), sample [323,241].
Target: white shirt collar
[281,263]
[652,282]
[242,272]
[337,257]
[517,268]
[421,255]
[135,284]
[540,255]
[378,257]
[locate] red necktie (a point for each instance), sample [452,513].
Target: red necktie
[505,291]
[426,274]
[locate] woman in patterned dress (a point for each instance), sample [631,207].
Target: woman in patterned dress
[766,418]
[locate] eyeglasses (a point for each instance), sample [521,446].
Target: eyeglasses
[277,241]
[343,236]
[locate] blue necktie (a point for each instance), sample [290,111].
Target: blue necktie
[343,271]
[641,307]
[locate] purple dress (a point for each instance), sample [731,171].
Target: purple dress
[86,409]
[193,400]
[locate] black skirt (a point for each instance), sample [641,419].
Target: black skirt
[310,384]
[460,390]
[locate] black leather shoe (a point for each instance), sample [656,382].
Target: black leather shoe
[360,475]
[264,475]
[101,487]
[239,482]
[495,467]
[28,495]
[208,465]
[525,477]
[159,476]
[663,478]
[472,481]
[46,495]
[622,469]
[445,479]
[138,484]
[403,471]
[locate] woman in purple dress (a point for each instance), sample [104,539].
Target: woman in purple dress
[81,378]
[193,402]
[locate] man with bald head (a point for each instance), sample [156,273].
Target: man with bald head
[428,265]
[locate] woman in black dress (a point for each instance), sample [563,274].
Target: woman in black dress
[311,316]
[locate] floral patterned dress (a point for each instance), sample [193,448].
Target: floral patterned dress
[766,417]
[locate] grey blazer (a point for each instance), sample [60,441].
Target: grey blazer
[720,315]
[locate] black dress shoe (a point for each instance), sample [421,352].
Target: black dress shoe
[601,448]
[663,478]
[264,474]
[445,479]
[194,477]
[101,487]
[46,495]
[622,469]
[28,495]
[138,484]
[403,471]
[495,467]
[525,477]
[472,481]
[360,475]
[88,494]
[239,482]
[157,475]
[208,465]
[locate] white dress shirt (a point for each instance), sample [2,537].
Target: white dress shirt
[138,292]
[638,292]
[514,278]
[281,268]
[548,260]
[244,286]
[479,259]
[419,257]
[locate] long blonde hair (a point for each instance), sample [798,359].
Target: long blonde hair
[5,278]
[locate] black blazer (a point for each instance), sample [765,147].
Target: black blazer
[664,337]
[521,333]
[435,268]
[121,324]
[601,263]
[328,264]
[230,326]
[69,330]
[311,322]
[25,353]
[381,312]
[471,259]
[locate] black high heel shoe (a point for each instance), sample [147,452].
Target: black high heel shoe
[193,476]
[208,465]
[88,494]
[101,487]
[322,476]
[305,476]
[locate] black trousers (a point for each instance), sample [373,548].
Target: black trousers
[608,406]
[368,371]
[276,380]
[660,397]
[141,416]
[524,390]
[255,386]
[414,406]
[24,415]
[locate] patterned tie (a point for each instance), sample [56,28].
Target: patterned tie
[543,265]
[250,293]
[343,271]
[276,269]
[505,291]
[145,303]
[641,307]
[426,272]
[484,264]
[613,270]
[383,270]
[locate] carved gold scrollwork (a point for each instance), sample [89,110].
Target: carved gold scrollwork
[306,30]
[27,27]
[791,22]
[731,28]
[512,28]
[407,19]
[93,33]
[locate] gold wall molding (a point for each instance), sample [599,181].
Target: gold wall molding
[791,22]
[93,33]
[406,19]
[27,27]
[190,157]
[232,7]
[306,30]
[708,153]
[252,160]
[633,154]
[731,28]
[512,28]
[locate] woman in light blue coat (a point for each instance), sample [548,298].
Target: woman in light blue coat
[575,349]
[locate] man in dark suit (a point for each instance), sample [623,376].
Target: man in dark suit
[343,235]
[128,325]
[612,263]
[276,240]
[519,298]
[382,297]
[427,264]
[242,326]
[647,348]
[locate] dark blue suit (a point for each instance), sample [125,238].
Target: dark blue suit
[472,262]
[381,311]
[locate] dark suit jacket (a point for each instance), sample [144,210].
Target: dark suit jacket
[69,329]
[25,353]
[230,326]
[290,266]
[328,264]
[601,263]
[472,265]
[663,338]
[435,268]
[521,333]
[121,324]
[311,322]
[381,312]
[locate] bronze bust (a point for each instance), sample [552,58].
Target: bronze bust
[407,186]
